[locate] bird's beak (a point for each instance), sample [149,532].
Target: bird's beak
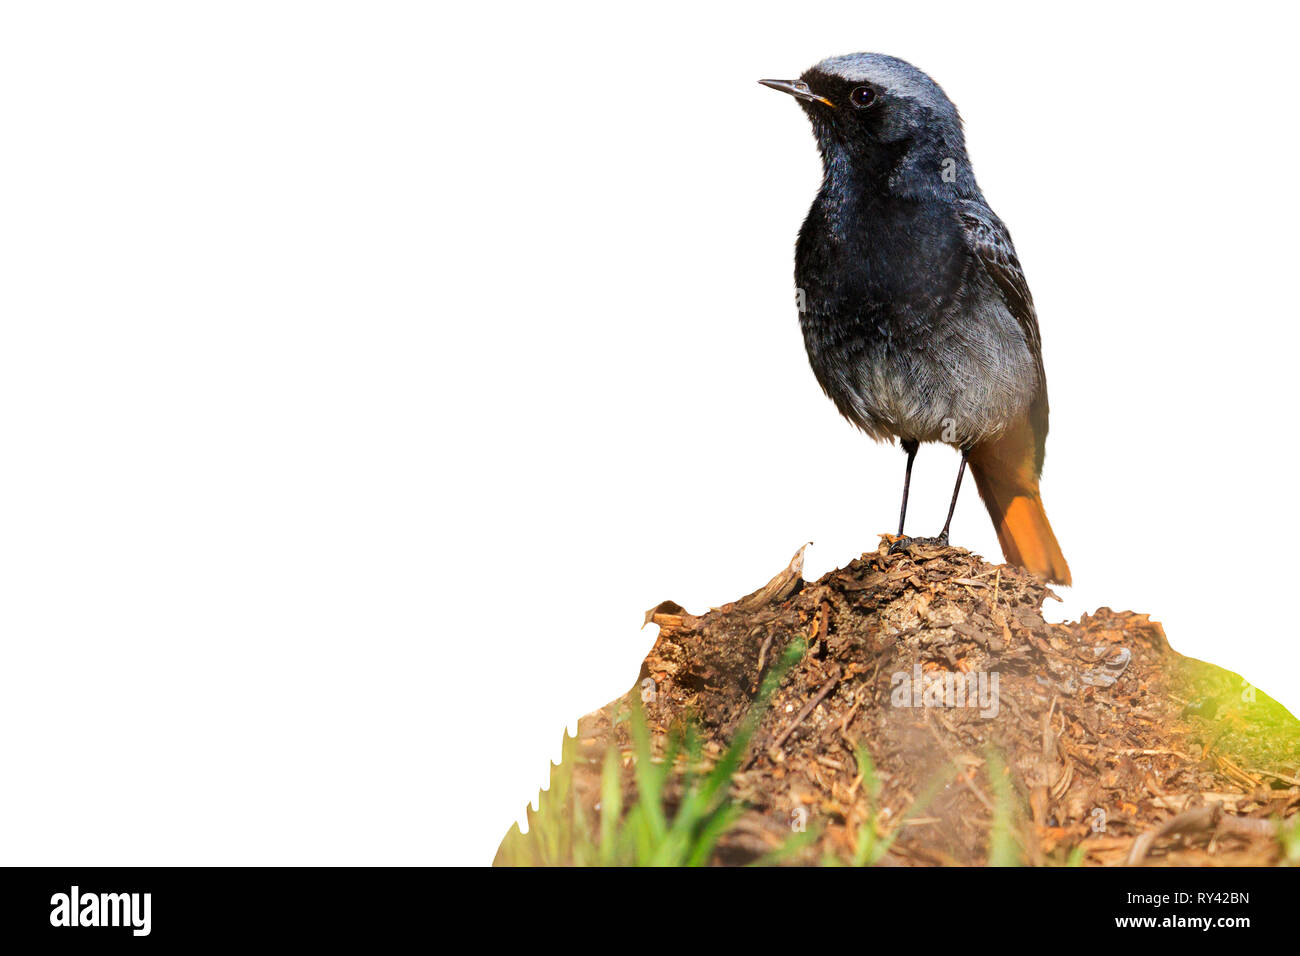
[798,89]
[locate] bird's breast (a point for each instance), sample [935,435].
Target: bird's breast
[902,329]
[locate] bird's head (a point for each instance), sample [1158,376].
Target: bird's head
[880,115]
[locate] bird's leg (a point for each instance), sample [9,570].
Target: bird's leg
[961,471]
[910,447]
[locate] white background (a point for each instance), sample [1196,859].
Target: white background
[368,370]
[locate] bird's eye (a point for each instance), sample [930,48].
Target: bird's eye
[862,97]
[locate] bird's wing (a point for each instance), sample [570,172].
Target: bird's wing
[988,238]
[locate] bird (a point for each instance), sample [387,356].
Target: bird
[915,312]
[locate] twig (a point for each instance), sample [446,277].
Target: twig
[1201,818]
[1208,817]
[1248,826]
[1231,770]
[762,655]
[844,724]
[807,709]
[1293,781]
[1152,752]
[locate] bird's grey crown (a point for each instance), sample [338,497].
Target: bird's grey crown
[888,72]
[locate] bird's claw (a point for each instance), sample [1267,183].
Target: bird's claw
[901,543]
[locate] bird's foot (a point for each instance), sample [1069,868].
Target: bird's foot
[900,544]
[906,544]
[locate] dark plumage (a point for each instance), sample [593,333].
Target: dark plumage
[916,316]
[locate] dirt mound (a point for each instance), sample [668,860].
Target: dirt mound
[936,718]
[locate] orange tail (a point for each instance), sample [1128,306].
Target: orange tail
[1006,474]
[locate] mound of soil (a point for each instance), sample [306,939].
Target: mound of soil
[1118,749]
